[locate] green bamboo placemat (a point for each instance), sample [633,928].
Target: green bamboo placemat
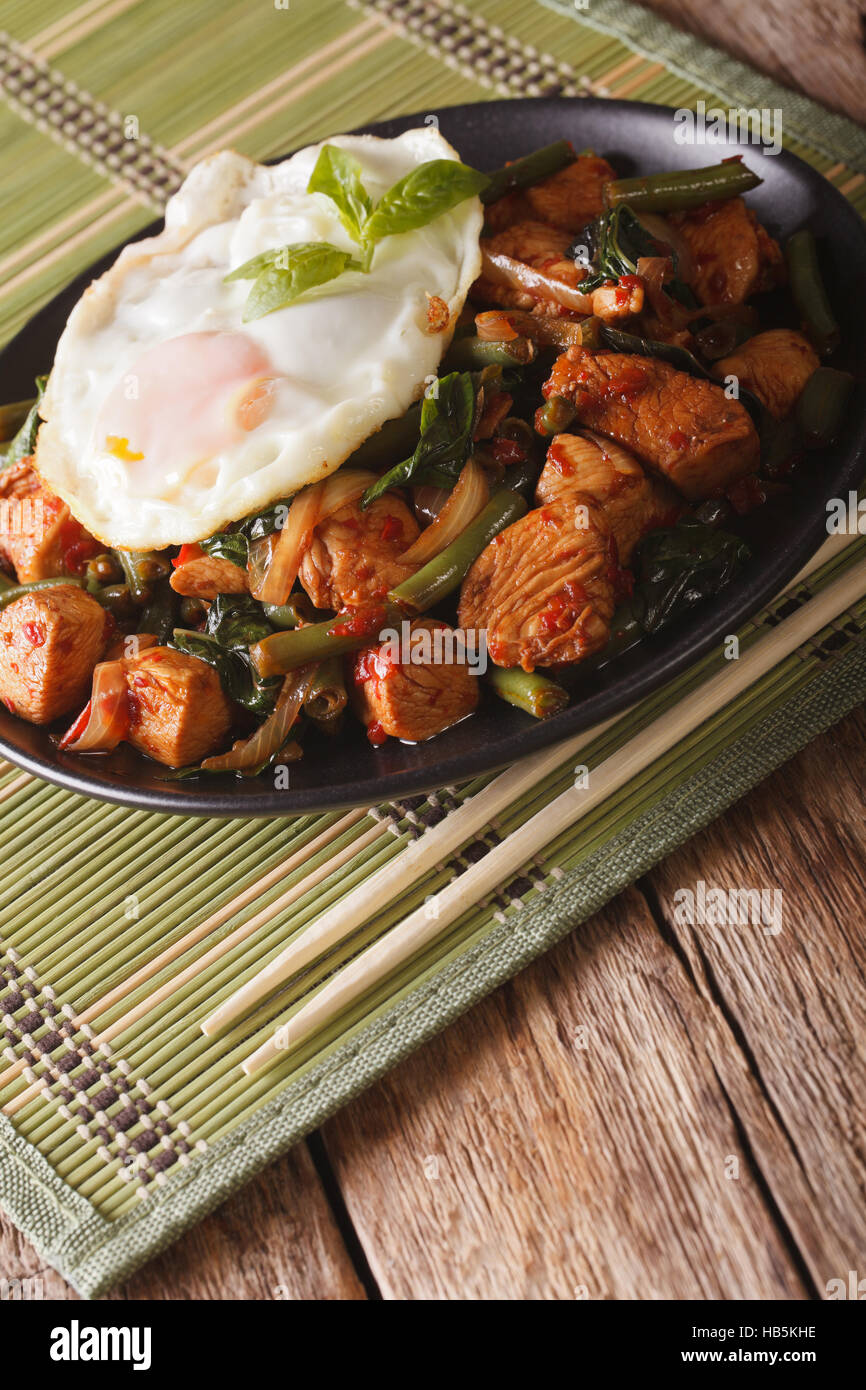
[122,1123]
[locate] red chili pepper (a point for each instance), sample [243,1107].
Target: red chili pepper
[77,729]
[392,529]
[360,622]
[187,553]
[35,634]
[507,451]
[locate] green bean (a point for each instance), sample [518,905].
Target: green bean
[821,407]
[527,690]
[6,582]
[685,188]
[141,569]
[471,354]
[12,417]
[17,591]
[285,651]
[159,614]
[528,170]
[296,610]
[445,572]
[809,294]
[117,599]
[327,696]
[555,415]
[192,611]
[103,569]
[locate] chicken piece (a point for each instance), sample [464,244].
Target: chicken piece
[353,559]
[622,301]
[680,426]
[633,503]
[536,245]
[543,589]
[418,697]
[733,257]
[573,196]
[39,536]
[178,711]
[774,366]
[205,576]
[50,641]
[543,248]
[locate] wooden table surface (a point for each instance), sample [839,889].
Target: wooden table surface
[651,1110]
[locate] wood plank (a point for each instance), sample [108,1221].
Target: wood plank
[818,48]
[518,1156]
[798,998]
[275,1239]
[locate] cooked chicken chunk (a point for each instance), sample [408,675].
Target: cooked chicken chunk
[417,698]
[733,256]
[354,556]
[50,641]
[543,589]
[633,502]
[573,196]
[774,366]
[567,199]
[39,536]
[178,712]
[537,245]
[542,247]
[205,576]
[683,427]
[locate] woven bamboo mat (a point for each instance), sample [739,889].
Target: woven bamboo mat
[120,931]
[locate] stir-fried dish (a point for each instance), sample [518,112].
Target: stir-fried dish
[608,372]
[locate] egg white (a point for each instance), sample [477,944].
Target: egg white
[348,356]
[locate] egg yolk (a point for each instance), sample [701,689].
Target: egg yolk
[185,401]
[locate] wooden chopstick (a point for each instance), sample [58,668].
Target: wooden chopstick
[501,863]
[436,845]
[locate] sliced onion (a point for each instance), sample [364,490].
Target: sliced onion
[108,719]
[274,570]
[428,501]
[505,270]
[545,330]
[495,326]
[249,753]
[288,551]
[259,562]
[469,497]
[344,487]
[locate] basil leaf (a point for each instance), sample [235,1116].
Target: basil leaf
[295,270]
[338,175]
[234,622]
[24,442]
[677,568]
[447,418]
[228,545]
[422,195]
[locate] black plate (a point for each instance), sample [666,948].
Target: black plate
[637,138]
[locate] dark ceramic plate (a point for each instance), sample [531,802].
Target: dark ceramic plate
[637,138]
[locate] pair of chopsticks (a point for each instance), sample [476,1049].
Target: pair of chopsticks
[422,926]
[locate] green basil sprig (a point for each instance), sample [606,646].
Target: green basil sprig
[24,442]
[447,420]
[282,275]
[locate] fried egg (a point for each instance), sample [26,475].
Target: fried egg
[167,416]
